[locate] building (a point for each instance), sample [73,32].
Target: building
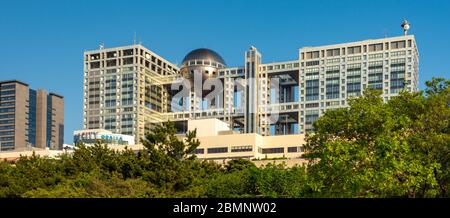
[129,89]
[91,136]
[15,155]
[218,142]
[331,74]
[30,118]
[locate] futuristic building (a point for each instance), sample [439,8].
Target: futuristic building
[129,89]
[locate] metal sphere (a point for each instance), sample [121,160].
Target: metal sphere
[203,60]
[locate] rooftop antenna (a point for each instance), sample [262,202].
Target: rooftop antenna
[405,26]
[101,45]
[134,38]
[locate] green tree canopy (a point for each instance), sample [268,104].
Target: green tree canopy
[376,149]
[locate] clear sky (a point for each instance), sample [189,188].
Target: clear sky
[42,42]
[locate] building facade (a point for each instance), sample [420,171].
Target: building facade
[219,142]
[129,89]
[30,118]
[92,136]
[332,74]
[123,88]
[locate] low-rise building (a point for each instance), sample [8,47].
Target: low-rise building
[15,155]
[218,142]
[91,136]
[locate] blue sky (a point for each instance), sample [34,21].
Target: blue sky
[42,42]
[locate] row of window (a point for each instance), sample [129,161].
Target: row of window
[10,103]
[111,63]
[248,148]
[8,92]
[6,110]
[8,98]
[8,86]
[7,133]
[4,144]
[6,121]
[6,127]
[6,139]
[356,49]
[6,116]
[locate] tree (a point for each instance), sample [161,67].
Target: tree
[171,165]
[162,140]
[376,149]
[437,85]
[238,164]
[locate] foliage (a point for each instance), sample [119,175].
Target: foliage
[376,149]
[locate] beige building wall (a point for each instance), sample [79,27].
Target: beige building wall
[18,153]
[208,127]
[21,115]
[41,118]
[238,146]
[57,139]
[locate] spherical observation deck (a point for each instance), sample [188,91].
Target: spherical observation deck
[202,60]
[205,55]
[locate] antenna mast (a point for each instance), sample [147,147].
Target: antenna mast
[405,25]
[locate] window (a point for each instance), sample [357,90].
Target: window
[332,103]
[7,133]
[398,53]
[376,47]
[333,61]
[6,110]
[199,151]
[111,63]
[95,56]
[110,103]
[7,139]
[9,92]
[127,61]
[354,58]
[8,86]
[127,52]
[111,54]
[6,121]
[312,55]
[217,150]
[272,150]
[9,98]
[398,44]
[309,63]
[333,52]
[311,105]
[241,148]
[375,64]
[95,65]
[312,90]
[10,103]
[376,56]
[6,127]
[295,149]
[354,50]
[4,144]
[354,66]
